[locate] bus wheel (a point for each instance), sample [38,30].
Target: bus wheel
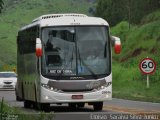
[18,98]
[27,104]
[72,105]
[80,105]
[43,106]
[98,106]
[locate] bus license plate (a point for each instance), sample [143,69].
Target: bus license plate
[77,96]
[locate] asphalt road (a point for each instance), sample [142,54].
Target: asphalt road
[115,106]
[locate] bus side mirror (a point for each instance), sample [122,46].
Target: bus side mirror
[116,42]
[38,47]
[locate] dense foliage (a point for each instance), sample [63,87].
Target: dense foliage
[17,13]
[1,5]
[140,40]
[115,11]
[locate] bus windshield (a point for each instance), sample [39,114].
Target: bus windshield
[76,51]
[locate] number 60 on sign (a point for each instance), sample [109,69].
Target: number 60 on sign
[147,66]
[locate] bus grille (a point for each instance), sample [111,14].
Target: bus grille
[87,90]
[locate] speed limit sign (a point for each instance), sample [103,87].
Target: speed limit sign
[147,66]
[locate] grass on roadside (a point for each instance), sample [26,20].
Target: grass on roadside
[13,113]
[130,83]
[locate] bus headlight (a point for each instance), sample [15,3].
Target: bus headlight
[102,87]
[45,86]
[51,88]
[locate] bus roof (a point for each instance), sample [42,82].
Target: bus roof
[65,20]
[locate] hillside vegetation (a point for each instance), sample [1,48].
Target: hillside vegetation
[17,13]
[132,11]
[138,42]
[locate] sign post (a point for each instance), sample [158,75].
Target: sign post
[147,81]
[147,67]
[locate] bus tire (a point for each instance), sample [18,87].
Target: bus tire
[27,104]
[43,107]
[98,106]
[18,98]
[72,105]
[80,105]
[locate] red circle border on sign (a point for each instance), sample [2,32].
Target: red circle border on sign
[147,59]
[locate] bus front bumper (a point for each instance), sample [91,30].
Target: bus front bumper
[49,96]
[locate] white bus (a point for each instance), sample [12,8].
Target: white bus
[65,58]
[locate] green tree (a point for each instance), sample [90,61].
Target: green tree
[140,8]
[111,10]
[1,5]
[115,11]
